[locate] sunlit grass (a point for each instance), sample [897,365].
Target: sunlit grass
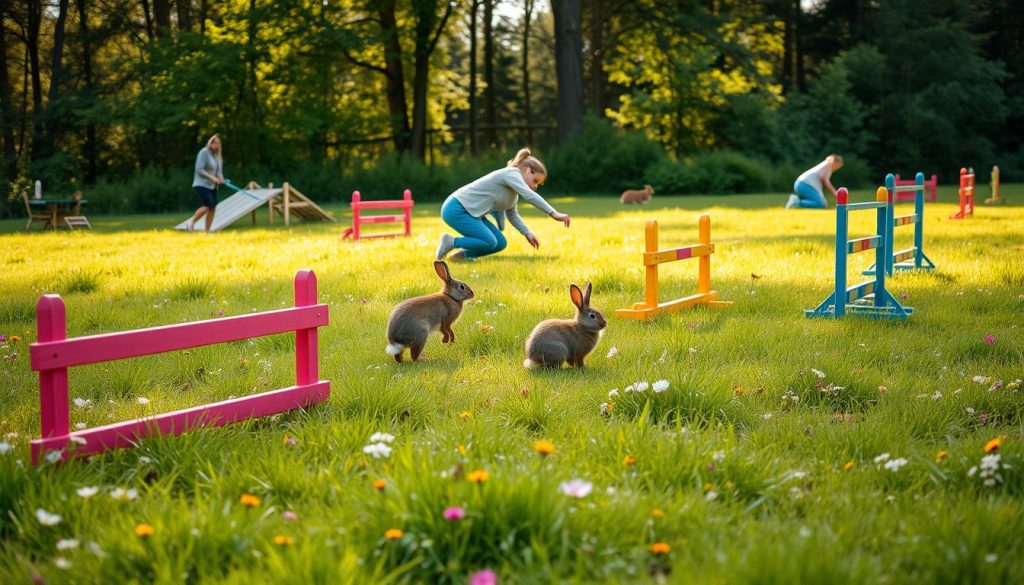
[761,468]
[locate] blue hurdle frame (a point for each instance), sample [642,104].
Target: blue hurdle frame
[909,258]
[869,298]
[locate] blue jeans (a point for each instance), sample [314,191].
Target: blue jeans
[479,238]
[810,198]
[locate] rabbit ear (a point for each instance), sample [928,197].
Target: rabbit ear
[442,271]
[586,295]
[576,295]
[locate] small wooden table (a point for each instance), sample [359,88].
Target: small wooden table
[58,209]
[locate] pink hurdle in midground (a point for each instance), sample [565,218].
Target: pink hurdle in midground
[54,353]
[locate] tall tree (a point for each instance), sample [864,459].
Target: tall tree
[569,66]
[490,88]
[6,106]
[90,91]
[428,29]
[474,147]
[527,113]
[35,19]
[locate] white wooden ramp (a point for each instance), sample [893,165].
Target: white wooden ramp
[234,208]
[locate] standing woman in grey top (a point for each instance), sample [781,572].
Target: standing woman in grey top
[209,173]
[466,209]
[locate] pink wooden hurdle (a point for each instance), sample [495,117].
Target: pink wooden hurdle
[358,219]
[54,353]
[931,188]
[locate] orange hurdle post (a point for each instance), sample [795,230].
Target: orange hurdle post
[650,306]
[966,195]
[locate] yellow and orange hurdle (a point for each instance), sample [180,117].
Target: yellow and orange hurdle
[650,306]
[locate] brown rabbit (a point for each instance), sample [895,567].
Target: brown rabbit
[637,195]
[566,340]
[413,320]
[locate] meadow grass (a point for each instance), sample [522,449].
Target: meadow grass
[785,449]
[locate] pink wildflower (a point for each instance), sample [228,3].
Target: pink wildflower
[454,513]
[289,515]
[990,339]
[485,577]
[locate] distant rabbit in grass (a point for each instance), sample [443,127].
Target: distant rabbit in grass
[413,320]
[637,195]
[566,340]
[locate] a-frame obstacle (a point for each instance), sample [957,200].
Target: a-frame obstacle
[286,200]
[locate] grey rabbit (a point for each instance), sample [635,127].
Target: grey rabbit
[413,320]
[555,341]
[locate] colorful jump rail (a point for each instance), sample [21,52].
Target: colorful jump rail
[966,195]
[54,353]
[869,298]
[931,185]
[358,219]
[994,199]
[650,306]
[910,258]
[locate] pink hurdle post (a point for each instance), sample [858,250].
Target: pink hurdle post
[307,368]
[356,199]
[407,197]
[54,410]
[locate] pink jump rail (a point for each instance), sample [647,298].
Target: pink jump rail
[931,188]
[358,219]
[966,193]
[54,353]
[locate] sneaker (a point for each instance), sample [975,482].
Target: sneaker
[793,202]
[189,226]
[444,246]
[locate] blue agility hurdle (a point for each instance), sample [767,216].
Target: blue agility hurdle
[868,298]
[909,258]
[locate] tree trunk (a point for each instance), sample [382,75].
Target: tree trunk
[569,67]
[426,40]
[149,20]
[597,75]
[473,146]
[184,15]
[57,64]
[90,128]
[395,76]
[527,110]
[801,80]
[162,16]
[490,108]
[35,17]
[202,18]
[6,107]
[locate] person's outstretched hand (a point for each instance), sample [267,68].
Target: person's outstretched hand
[533,240]
[560,217]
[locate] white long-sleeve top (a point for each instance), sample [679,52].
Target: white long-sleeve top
[500,191]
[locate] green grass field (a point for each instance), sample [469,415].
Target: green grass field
[785,450]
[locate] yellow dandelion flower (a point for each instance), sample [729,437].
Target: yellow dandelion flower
[478,476]
[993,445]
[629,460]
[249,500]
[941,455]
[461,449]
[143,530]
[393,534]
[282,540]
[379,484]
[657,513]
[660,548]
[849,465]
[465,414]
[544,447]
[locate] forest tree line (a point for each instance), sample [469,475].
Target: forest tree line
[114,97]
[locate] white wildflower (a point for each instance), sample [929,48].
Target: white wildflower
[142,400]
[613,393]
[5,447]
[62,563]
[378,450]
[767,416]
[605,408]
[614,351]
[381,438]
[881,458]
[718,456]
[894,465]
[54,456]
[47,519]
[629,389]
[123,495]
[67,543]
[693,350]
[642,386]
[660,385]
[818,373]
[82,402]
[711,495]
[79,426]
[78,440]
[87,492]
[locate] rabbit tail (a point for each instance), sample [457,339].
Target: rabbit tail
[530,364]
[394,349]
